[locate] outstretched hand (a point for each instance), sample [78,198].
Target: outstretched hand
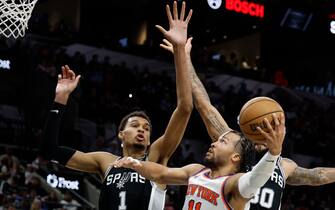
[166,45]
[127,162]
[275,137]
[67,82]
[177,33]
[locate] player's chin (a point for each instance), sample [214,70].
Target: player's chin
[140,146]
[208,160]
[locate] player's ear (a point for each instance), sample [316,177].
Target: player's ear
[236,157]
[120,135]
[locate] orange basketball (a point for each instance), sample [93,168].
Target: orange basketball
[252,114]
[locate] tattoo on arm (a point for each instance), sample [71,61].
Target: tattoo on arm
[216,124]
[199,89]
[313,177]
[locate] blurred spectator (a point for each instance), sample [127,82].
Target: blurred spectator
[36,204]
[68,202]
[51,201]
[9,164]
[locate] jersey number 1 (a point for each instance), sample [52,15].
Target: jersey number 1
[122,196]
[191,205]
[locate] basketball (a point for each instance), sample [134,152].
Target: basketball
[252,115]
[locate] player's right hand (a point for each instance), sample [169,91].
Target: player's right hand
[166,45]
[275,137]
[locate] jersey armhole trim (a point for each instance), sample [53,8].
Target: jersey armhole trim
[225,202]
[282,170]
[158,188]
[110,167]
[198,172]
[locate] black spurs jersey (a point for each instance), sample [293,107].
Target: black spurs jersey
[270,195]
[125,189]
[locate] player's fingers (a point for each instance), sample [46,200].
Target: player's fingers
[175,11]
[268,125]
[189,16]
[168,14]
[282,118]
[182,11]
[77,79]
[189,41]
[263,133]
[71,74]
[276,121]
[116,164]
[67,72]
[161,29]
[275,118]
[165,47]
[133,161]
[63,72]
[166,42]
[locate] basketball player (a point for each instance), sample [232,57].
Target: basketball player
[286,170]
[125,189]
[219,186]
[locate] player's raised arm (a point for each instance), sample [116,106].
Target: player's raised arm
[162,149]
[214,122]
[89,162]
[159,173]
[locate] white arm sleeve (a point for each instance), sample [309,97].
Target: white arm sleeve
[250,182]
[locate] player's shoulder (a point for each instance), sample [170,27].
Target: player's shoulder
[288,165]
[105,156]
[288,162]
[193,169]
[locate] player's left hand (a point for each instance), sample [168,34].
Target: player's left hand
[67,81]
[127,162]
[177,33]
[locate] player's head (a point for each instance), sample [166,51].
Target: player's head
[135,130]
[231,148]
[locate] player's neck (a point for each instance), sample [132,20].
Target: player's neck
[222,171]
[137,154]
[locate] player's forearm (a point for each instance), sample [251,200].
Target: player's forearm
[313,177]
[154,172]
[183,83]
[201,98]
[213,120]
[250,182]
[49,147]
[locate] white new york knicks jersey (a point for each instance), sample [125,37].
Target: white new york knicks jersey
[205,193]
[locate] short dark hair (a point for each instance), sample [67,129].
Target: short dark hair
[247,150]
[134,114]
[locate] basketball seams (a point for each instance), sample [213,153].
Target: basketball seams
[253,112]
[244,108]
[261,116]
